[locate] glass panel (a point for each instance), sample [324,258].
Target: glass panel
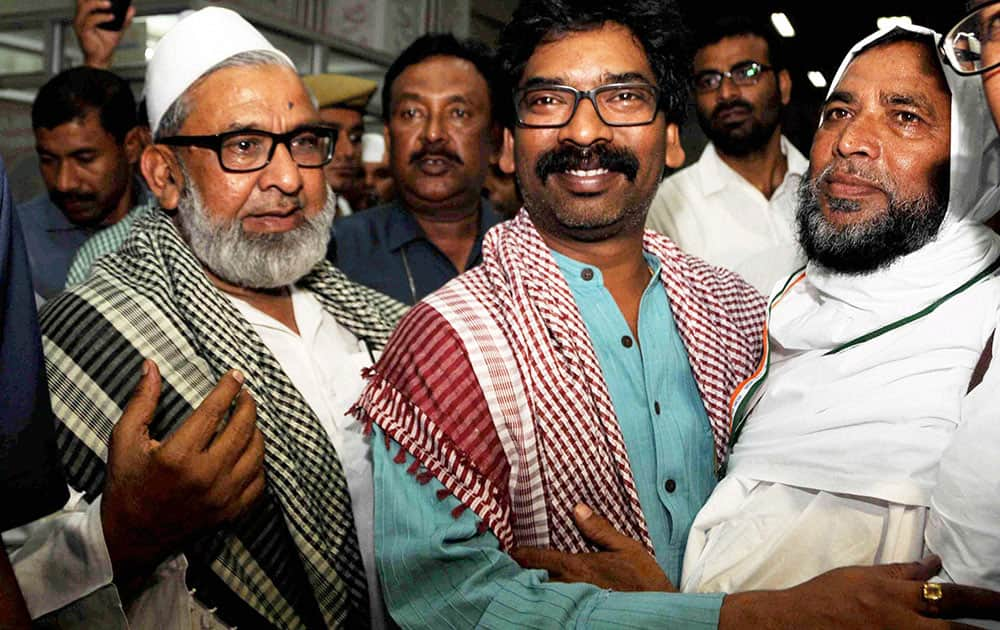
[136,45]
[21,50]
[298,50]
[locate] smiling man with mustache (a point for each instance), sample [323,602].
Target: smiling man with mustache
[735,206]
[439,107]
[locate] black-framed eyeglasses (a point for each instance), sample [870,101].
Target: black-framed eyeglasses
[973,45]
[252,149]
[742,74]
[617,104]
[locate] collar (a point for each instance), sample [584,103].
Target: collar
[573,270]
[401,228]
[716,174]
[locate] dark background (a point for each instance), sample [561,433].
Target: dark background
[824,32]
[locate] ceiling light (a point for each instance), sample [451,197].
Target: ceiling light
[896,20]
[816,78]
[781,23]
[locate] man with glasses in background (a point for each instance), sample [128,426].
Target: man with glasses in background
[963,525]
[735,207]
[259,499]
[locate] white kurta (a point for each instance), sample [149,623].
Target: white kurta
[712,212]
[839,455]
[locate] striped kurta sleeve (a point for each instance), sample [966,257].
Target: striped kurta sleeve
[439,571]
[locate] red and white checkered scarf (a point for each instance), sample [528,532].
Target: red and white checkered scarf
[492,383]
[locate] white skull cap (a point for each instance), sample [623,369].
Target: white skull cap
[199,41]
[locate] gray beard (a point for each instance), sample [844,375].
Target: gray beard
[906,226]
[253,261]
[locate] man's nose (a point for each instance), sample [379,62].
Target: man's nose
[282,172]
[858,137]
[67,178]
[586,126]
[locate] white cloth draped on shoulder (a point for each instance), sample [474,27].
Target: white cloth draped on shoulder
[835,462]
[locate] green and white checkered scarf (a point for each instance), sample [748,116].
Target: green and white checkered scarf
[293,559]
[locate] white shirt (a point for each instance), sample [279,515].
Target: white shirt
[712,212]
[63,558]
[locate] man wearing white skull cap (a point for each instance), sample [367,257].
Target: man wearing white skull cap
[249,504]
[872,348]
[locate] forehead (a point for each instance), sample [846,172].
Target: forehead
[342,116]
[85,130]
[584,59]
[726,52]
[900,68]
[441,76]
[268,97]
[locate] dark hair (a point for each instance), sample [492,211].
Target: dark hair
[443,45]
[656,24]
[715,31]
[71,94]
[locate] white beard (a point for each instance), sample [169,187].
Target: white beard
[258,261]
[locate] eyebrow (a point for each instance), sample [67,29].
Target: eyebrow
[735,65]
[607,77]
[843,97]
[253,126]
[912,100]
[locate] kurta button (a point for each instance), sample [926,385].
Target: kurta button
[671,485]
[656,407]
[627,341]
[587,274]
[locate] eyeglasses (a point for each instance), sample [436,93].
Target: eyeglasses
[252,149]
[617,104]
[973,45]
[745,73]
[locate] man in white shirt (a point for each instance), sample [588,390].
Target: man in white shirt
[227,282]
[735,207]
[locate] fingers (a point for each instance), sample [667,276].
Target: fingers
[197,431]
[923,570]
[249,462]
[960,601]
[248,497]
[535,558]
[231,442]
[142,405]
[599,531]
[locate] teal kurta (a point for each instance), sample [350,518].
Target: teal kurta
[437,571]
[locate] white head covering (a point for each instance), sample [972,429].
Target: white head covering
[872,420]
[372,148]
[199,41]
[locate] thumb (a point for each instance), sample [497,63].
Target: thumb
[922,570]
[598,530]
[141,407]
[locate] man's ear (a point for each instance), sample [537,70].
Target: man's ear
[496,142]
[135,141]
[785,86]
[506,158]
[675,152]
[163,175]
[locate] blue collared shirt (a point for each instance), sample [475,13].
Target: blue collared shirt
[385,249]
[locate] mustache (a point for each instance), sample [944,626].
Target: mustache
[572,158]
[436,152]
[57,196]
[736,102]
[873,176]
